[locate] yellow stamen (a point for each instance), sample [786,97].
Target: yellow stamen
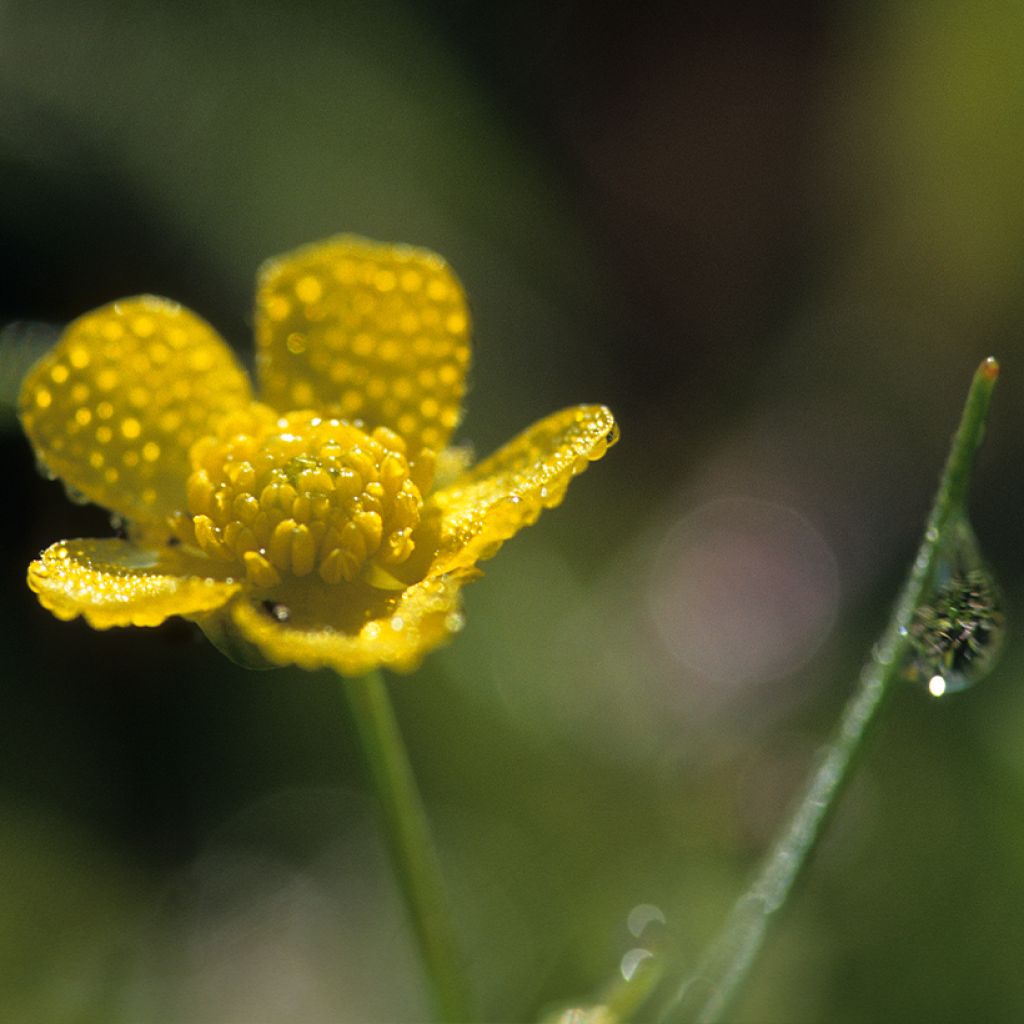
[287,496]
[260,572]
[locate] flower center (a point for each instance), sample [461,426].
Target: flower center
[290,495]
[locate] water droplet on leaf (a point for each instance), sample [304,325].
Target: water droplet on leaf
[642,916]
[956,634]
[632,960]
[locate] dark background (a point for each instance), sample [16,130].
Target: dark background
[776,239]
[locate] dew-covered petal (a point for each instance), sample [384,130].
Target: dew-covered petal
[113,408]
[475,515]
[113,582]
[352,629]
[364,331]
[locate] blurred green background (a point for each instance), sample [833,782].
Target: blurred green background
[775,239]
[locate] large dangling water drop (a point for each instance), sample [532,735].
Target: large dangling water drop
[957,633]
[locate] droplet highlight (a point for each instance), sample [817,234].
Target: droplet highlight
[631,961]
[642,916]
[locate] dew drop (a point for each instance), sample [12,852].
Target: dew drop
[44,470]
[75,496]
[631,961]
[957,633]
[278,611]
[642,916]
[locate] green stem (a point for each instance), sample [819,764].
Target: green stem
[412,850]
[707,993]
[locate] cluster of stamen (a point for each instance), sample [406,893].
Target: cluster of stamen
[289,495]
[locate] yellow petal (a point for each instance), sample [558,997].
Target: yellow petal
[351,629]
[507,491]
[359,330]
[113,408]
[115,583]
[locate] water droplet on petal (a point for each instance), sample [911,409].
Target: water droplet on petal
[75,496]
[278,611]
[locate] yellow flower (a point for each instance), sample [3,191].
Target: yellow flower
[326,525]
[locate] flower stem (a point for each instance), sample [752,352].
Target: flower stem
[410,844]
[707,993]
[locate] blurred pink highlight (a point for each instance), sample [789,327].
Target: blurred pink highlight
[743,592]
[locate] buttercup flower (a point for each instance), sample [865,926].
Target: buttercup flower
[327,524]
